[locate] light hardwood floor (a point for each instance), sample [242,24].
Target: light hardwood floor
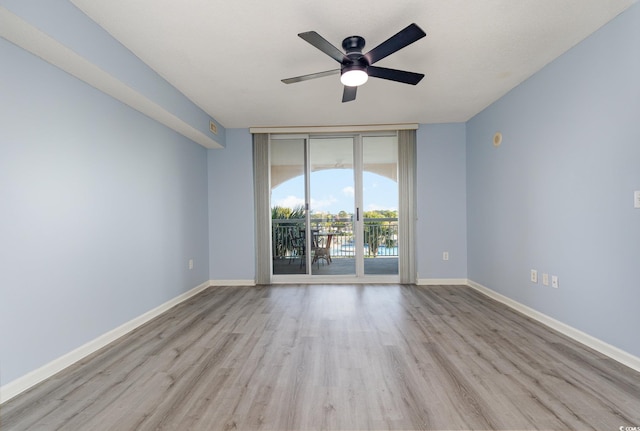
[348,357]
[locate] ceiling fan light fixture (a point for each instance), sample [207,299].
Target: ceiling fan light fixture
[354,77]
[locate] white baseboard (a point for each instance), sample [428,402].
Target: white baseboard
[442,282]
[25,382]
[613,352]
[232,282]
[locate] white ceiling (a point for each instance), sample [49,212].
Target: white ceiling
[228,57]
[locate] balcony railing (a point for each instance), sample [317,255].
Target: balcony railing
[380,237]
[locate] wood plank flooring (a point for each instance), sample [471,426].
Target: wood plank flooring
[327,357]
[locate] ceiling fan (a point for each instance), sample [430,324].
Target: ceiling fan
[356,67]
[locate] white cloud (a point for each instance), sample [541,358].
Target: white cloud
[348,191]
[375,207]
[318,204]
[290,202]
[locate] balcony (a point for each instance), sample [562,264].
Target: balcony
[335,236]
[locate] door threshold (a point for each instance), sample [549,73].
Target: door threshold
[327,279]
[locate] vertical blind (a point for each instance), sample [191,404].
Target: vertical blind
[263,212]
[407,203]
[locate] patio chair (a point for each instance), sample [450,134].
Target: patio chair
[323,252]
[298,248]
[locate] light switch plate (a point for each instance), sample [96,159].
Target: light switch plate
[636,199]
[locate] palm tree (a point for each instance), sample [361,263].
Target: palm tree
[283,229]
[378,232]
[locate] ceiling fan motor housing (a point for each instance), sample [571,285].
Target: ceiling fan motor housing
[353,46]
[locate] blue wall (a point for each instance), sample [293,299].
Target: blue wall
[557,195]
[442,212]
[69,26]
[231,209]
[101,210]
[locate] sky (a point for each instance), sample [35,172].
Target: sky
[333,191]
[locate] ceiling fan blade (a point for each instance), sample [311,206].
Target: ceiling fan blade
[349,94]
[395,43]
[311,76]
[323,45]
[395,75]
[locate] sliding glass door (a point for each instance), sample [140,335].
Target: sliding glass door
[380,204]
[334,207]
[289,221]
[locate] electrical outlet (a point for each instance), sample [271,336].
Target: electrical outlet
[190,263]
[445,255]
[545,279]
[636,199]
[534,276]
[554,281]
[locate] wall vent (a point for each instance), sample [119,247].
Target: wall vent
[213,127]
